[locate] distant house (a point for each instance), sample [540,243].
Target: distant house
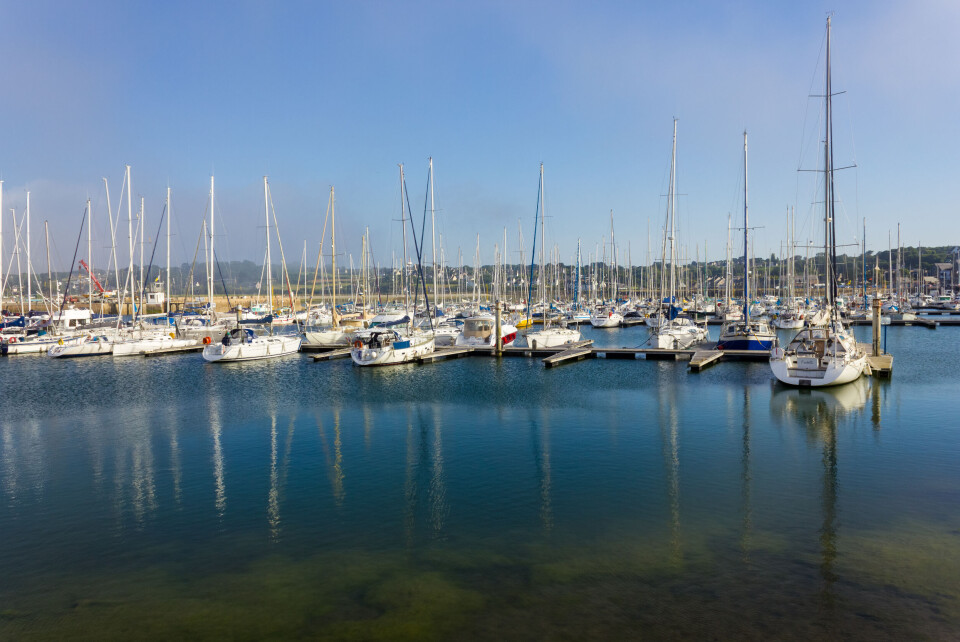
[944,276]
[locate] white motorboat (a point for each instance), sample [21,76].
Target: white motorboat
[606,317]
[552,337]
[479,331]
[676,334]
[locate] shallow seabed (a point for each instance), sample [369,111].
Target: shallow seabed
[479,499]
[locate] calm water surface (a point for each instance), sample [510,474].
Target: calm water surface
[476,499]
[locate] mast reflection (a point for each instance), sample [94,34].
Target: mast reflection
[540,435]
[219,487]
[670,440]
[438,488]
[746,480]
[334,462]
[819,413]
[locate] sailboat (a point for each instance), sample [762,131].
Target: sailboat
[669,331]
[549,336]
[826,354]
[243,344]
[314,335]
[749,333]
[387,346]
[608,316]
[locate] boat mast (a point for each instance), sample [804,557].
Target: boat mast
[673,205]
[130,240]
[166,297]
[89,256]
[746,234]
[143,216]
[829,250]
[333,258]
[543,242]
[2,282]
[46,234]
[433,233]
[211,258]
[29,282]
[266,211]
[403,266]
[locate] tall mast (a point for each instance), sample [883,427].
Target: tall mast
[143,215]
[746,231]
[29,281]
[1,244]
[829,250]
[46,234]
[333,257]
[210,260]
[16,251]
[266,212]
[433,234]
[673,205]
[403,266]
[166,296]
[130,238]
[543,282]
[89,255]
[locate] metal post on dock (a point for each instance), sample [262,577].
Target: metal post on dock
[496,306]
[876,326]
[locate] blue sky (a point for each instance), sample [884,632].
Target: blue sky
[315,94]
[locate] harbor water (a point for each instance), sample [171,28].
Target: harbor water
[479,498]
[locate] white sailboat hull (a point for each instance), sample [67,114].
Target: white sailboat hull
[39,345]
[259,348]
[329,337]
[676,337]
[610,320]
[86,348]
[408,350]
[552,337]
[816,373]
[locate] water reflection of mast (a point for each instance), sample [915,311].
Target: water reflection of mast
[746,479]
[671,452]
[828,532]
[438,488]
[10,476]
[172,420]
[334,464]
[144,488]
[410,482]
[219,487]
[541,453]
[273,497]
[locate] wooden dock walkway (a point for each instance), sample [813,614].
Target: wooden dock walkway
[445,353]
[573,352]
[879,366]
[704,358]
[330,355]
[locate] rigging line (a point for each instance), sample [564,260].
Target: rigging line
[75,250]
[280,243]
[156,240]
[323,236]
[533,252]
[416,246]
[222,281]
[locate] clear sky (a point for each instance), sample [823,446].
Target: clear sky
[315,94]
